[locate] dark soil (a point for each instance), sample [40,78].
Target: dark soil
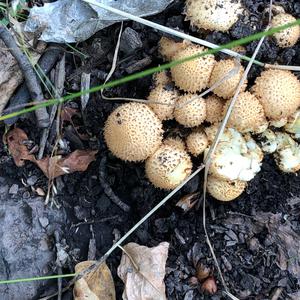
[247,258]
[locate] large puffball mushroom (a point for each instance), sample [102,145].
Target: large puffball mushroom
[167,95]
[133,132]
[190,112]
[212,15]
[168,167]
[175,142]
[235,158]
[278,92]
[225,190]
[293,124]
[287,37]
[192,76]
[247,114]
[214,109]
[234,72]
[168,47]
[196,142]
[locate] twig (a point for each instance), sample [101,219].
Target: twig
[29,75]
[95,221]
[185,36]
[45,64]
[107,189]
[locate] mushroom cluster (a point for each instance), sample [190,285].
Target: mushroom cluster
[265,118]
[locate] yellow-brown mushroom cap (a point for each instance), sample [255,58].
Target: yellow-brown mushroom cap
[175,142]
[163,94]
[288,37]
[225,190]
[278,92]
[227,88]
[190,112]
[196,142]
[217,15]
[192,76]
[214,109]
[168,47]
[168,167]
[133,132]
[247,114]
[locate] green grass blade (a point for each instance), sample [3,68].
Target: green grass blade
[151,71]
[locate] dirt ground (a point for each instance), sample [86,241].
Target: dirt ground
[254,237]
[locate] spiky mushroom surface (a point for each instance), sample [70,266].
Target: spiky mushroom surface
[133,132]
[196,142]
[214,109]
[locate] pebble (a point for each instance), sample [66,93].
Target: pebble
[32,180]
[44,222]
[14,189]
[130,41]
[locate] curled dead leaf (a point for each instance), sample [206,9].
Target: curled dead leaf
[187,202]
[96,285]
[52,167]
[142,270]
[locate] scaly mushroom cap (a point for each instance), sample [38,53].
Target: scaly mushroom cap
[278,92]
[288,37]
[214,109]
[163,94]
[221,69]
[175,142]
[192,76]
[212,15]
[161,78]
[211,132]
[168,47]
[247,114]
[190,113]
[168,167]
[225,190]
[133,132]
[196,142]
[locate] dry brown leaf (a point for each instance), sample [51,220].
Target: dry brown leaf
[146,283]
[96,285]
[52,167]
[77,161]
[15,141]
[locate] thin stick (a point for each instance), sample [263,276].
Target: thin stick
[185,36]
[29,75]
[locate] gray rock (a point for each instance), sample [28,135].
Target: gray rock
[32,180]
[44,222]
[24,245]
[130,41]
[14,189]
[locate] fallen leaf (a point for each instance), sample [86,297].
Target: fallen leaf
[15,141]
[52,167]
[146,282]
[77,161]
[96,285]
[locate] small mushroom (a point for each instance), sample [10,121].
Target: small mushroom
[167,95]
[196,142]
[190,112]
[279,93]
[227,88]
[212,15]
[133,132]
[214,109]
[247,114]
[293,124]
[161,78]
[168,47]
[192,76]
[287,37]
[168,167]
[175,142]
[225,190]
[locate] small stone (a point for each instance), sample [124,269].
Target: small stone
[14,189]
[44,222]
[32,180]
[130,41]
